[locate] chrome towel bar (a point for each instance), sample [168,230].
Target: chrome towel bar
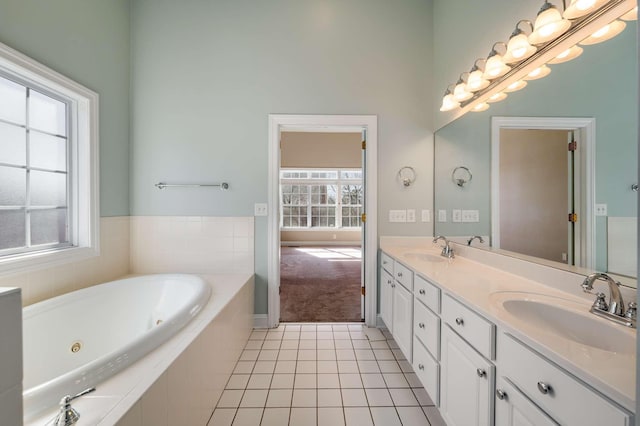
[161,185]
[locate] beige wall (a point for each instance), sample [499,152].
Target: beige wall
[346,237]
[321,150]
[534,192]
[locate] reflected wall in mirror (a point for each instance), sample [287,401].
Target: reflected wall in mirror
[600,85]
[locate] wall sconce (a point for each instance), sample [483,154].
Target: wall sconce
[518,46]
[567,55]
[476,81]
[549,24]
[407,176]
[448,101]
[579,8]
[495,66]
[605,33]
[461,175]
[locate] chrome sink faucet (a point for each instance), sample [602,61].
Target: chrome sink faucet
[475,237]
[615,309]
[447,250]
[68,415]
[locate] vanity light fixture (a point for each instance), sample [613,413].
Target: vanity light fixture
[500,96]
[449,102]
[567,55]
[605,33]
[538,73]
[460,92]
[495,66]
[631,15]
[579,8]
[514,87]
[482,106]
[549,25]
[476,81]
[518,46]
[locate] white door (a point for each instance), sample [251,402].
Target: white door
[403,319]
[515,409]
[363,232]
[466,383]
[386,298]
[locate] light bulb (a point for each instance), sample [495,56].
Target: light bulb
[579,8]
[567,55]
[475,81]
[539,72]
[497,97]
[605,33]
[448,102]
[495,67]
[514,87]
[549,25]
[518,49]
[483,106]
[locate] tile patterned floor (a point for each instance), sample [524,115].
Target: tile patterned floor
[326,375]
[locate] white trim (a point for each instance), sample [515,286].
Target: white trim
[85,150]
[277,122]
[379,322]
[587,128]
[260,321]
[320,243]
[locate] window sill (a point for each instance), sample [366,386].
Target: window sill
[45,259]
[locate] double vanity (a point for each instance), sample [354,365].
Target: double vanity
[492,347]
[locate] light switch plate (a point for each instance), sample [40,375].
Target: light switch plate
[260,209]
[397,216]
[456,216]
[442,215]
[411,215]
[426,215]
[470,216]
[601,210]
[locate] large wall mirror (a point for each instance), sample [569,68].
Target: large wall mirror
[522,175]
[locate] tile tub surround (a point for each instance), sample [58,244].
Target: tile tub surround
[186,375]
[323,374]
[192,244]
[48,282]
[473,283]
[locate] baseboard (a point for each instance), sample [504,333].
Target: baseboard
[260,321]
[379,322]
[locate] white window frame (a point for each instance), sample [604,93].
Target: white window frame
[84,210]
[339,182]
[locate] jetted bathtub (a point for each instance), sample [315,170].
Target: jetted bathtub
[75,341]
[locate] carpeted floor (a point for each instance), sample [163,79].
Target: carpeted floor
[320,284]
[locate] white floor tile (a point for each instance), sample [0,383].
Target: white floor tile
[293,327]
[356,327]
[264,367]
[244,367]
[368,366]
[303,417]
[345,354]
[306,367]
[386,416]
[350,380]
[389,367]
[327,367]
[343,344]
[248,417]
[357,335]
[291,335]
[282,381]
[309,327]
[268,355]
[379,398]
[403,397]
[358,416]
[341,335]
[361,344]
[306,335]
[354,398]
[433,414]
[275,417]
[348,367]
[258,335]
[285,366]
[230,399]
[238,381]
[373,334]
[395,380]
[304,398]
[254,398]
[340,328]
[384,354]
[364,355]
[288,355]
[379,344]
[329,398]
[254,344]
[249,355]
[222,417]
[324,327]
[328,381]
[271,344]
[305,381]
[289,344]
[373,380]
[412,416]
[307,344]
[279,398]
[259,381]
[326,354]
[274,335]
[325,344]
[330,416]
[322,334]
[307,354]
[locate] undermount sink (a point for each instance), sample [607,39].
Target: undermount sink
[424,257]
[566,319]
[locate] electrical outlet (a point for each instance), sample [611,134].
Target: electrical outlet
[411,215]
[260,209]
[397,215]
[426,215]
[442,215]
[456,216]
[601,210]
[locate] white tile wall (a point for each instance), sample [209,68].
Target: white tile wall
[112,263]
[198,244]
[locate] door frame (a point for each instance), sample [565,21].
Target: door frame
[585,127]
[321,123]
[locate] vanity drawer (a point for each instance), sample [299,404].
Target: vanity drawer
[427,369]
[427,293]
[476,330]
[567,400]
[386,262]
[403,275]
[426,327]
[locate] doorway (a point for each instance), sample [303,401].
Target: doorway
[331,184]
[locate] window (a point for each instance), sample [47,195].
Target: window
[48,165]
[321,198]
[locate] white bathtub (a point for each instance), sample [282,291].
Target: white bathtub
[112,324]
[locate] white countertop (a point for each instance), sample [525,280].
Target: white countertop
[475,284]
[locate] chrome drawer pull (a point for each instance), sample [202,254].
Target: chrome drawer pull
[459,321]
[422,291]
[502,395]
[421,325]
[544,388]
[400,274]
[481,372]
[421,367]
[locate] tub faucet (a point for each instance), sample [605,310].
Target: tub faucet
[475,237]
[447,250]
[615,309]
[68,415]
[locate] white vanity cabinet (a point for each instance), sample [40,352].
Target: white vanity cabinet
[386,298]
[515,409]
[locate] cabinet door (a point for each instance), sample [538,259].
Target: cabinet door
[386,299]
[515,409]
[466,383]
[403,319]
